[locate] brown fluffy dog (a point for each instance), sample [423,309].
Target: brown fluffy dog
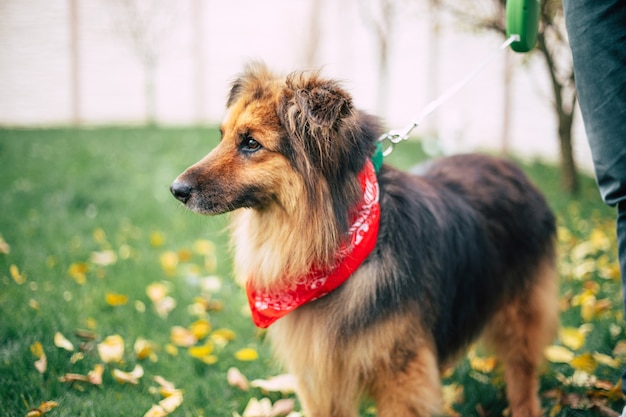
[465,248]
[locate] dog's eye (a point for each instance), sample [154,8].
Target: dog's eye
[250,145]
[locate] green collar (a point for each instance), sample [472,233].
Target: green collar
[377,157]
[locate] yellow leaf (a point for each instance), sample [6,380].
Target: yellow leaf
[61,342]
[95,376]
[156,411]
[247,354]
[558,354]
[201,351]
[204,247]
[200,328]
[91,323]
[171,349]
[572,337]
[99,236]
[16,275]
[131,377]
[116,300]
[41,363]
[221,337]
[169,262]
[484,365]
[164,383]
[258,408]
[44,407]
[209,359]
[182,337]
[78,271]
[111,349]
[584,362]
[607,360]
[185,255]
[37,350]
[144,349]
[157,239]
[172,402]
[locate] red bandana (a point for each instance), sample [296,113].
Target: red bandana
[267,307]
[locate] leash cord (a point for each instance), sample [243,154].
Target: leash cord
[396,136]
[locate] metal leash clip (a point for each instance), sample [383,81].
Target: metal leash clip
[394,137]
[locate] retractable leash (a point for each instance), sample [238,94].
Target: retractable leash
[522,23]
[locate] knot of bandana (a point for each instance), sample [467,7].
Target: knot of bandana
[267,307]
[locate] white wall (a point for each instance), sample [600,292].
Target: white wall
[35,76]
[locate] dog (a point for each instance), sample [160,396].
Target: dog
[373,282]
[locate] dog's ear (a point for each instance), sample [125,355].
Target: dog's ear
[322,102]
[253,78]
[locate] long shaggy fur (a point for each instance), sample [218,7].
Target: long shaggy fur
[465,248]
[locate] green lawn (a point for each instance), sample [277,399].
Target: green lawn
[88,227]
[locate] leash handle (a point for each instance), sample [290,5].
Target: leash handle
[522,19]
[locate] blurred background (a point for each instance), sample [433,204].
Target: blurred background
[101,62]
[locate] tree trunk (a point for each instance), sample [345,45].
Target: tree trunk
[75,62]
[569,171]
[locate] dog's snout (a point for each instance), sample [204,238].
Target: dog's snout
[181,190]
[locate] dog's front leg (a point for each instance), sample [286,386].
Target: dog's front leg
[331,399]
[410,390]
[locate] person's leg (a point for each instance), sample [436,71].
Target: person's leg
[597,35]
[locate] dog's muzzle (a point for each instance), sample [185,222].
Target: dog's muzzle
[181,190]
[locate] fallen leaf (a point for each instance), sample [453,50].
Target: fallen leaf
[131,377]
[484,365]
[182,337]
[157,239]
[558,354]
[201,351]
[111,349]
[41,364]
[116,300]
[285,384]
[103,258]
[282,407]
[169,262]
[78,271]
[172,402]
[95,376]
[247,354]
[144,349]
[18,277]
[607,360]
[44,407]
[99,236]
[572,337]
[584,362]
[204,247]
[221,337]
[61,342]
[236,379]
[164,383]
[4,246]
[200,328]
[212,284]
[166,406]
[258,408]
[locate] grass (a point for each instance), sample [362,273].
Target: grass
[67,194]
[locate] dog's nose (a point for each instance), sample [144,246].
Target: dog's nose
[181,190]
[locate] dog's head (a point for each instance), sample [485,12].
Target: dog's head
[284,139]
